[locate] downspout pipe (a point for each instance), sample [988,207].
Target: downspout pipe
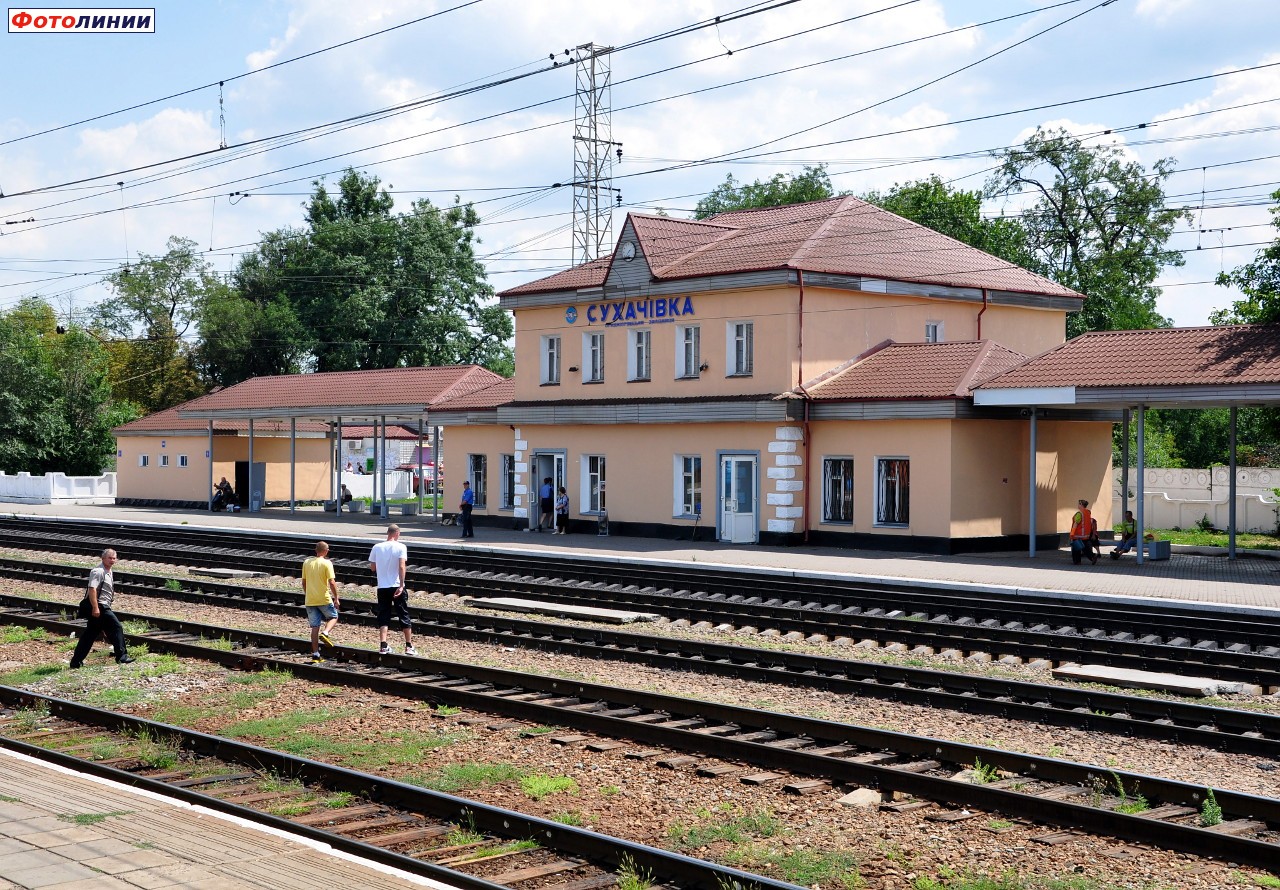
[981,311]
[806,492]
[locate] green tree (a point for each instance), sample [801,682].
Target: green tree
[363,287]
[1098,225]
[1259,280]
[957,214]
[810,184]
[155,306]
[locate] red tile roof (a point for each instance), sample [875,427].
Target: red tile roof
[419,387]
[914,371]
[843,236]
[497,393]
[1161,357]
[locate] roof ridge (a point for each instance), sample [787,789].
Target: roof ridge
[780,206]
[727,233]
[678,219]
[830,221]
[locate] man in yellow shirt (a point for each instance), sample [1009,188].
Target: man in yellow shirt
[320,589]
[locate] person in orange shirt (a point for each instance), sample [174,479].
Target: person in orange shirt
[1081,529]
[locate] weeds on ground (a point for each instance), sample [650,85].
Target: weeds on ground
[114,697]
[999,824]
[136,626]
[984,773]
[950,880]
[155,751]
[93,818]
[461,776]
[173,584]
[502,849]
[12,633]
[632,877]
[27,719]
[540,785]
[570,817]
[1259,880]
[339,799]
[808,868]
[220,644]
[724,824]
[30,675]
[610,790]
[531,731]
[1210,811]
[264,677]
[4,798]
[447,710]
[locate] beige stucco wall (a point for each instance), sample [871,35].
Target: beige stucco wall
[989,460]
[457,443]
[191,483]
[1075,462]
[838,325]
[926,443]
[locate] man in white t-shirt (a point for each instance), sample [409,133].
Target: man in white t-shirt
[388,560]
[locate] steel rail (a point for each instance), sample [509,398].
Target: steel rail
[1237,731]
[600,849]
[840,752]
[1055,644]
[1168,619]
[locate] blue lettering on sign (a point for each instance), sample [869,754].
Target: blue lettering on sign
[635,312]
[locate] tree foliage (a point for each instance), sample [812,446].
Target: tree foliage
[156,304]
[360,286]
[1098,224]
[1259,280]
[958,214]
[56,409]
[810,184]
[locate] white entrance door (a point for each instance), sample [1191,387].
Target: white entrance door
[548,465]
[738,522]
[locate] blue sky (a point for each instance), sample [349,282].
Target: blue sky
[1125,45]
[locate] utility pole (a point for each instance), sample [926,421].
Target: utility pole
[593,154]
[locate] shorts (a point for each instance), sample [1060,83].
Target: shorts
[318,615]
[389,603]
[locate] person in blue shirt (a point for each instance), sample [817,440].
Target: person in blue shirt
[468,503]
[546,500]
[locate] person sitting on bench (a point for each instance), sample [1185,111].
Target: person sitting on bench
[346,494]
[223,495]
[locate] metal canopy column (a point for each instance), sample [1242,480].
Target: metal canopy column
[337,495]
[293,465]
[210,466]
[1141,528]
[382,465]
[250,464]
[1124,471]
[435,471]
[1231,491]
[1031,476]
[422,483]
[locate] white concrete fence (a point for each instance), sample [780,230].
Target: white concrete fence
[57,488]
[1182,497]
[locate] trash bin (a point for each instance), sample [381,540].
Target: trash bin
[602,524]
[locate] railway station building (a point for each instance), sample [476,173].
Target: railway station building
[787,375]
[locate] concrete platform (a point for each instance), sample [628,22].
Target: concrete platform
[128,838]
[535,607]
[1193,687]
[1246,585]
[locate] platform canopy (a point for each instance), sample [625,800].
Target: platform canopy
[1229,366]
[391,395]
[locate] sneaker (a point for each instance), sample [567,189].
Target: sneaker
[326,640]
[384,649]
[409,650]
[317,658]
[125,660]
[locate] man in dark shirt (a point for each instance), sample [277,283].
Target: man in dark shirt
[100,618]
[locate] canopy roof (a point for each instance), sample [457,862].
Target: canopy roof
[913,371]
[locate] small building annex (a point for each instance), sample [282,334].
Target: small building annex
[801,373]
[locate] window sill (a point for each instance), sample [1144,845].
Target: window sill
[687,516]
[842,523]
[640,380]
[689,377]
[891,525]
[592,382]
[549,383]
[740,374]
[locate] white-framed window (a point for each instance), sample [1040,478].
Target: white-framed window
[592,487]
[688,485]
[183,461]
[478,475]
[508,481]
[164,460]
[837,489]
[933,332]
[550,360]
[638,354]
[593,358]
[740,340]
[893,491]
[688,351]
[144,460]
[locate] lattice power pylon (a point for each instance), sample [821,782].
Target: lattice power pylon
[593,154]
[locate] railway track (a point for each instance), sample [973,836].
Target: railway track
[1161,638]
[460,842]
[1071,796]
[1239,731]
